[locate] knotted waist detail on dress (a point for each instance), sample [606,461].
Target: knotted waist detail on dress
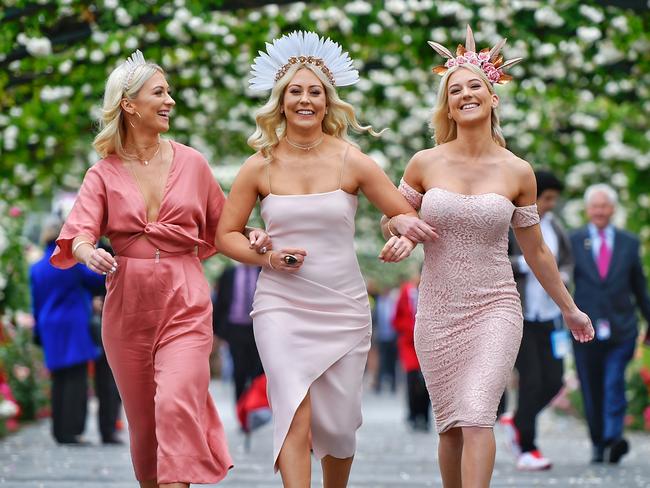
[143,248]
[159,239]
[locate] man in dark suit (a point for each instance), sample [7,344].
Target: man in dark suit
[609,286]
[232,322]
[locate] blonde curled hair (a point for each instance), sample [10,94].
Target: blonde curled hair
[444,129]
[112,124]
[272,126]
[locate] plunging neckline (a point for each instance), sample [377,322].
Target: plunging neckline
[163,197]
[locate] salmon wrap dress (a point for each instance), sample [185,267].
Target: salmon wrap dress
[157,318]
[469,322]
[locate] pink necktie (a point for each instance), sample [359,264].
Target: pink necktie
[604,255]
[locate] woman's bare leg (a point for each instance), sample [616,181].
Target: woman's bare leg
[294,460]
[450,452]
[479,451]
[149,484]
[336,471]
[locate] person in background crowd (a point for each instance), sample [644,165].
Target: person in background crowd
[404,323]
[610,286]
[62,309]
[232,322]
[105,388]
[544,343]
[385,339]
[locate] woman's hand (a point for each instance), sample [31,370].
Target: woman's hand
[288,260]
[413,228]
[396,249]
[260,241]
[579,324]
[100,261]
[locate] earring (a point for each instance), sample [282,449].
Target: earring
[448,115]
[131,124]
[138,114]
[326,111]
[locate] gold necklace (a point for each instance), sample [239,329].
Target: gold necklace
[305,147]
[146,161]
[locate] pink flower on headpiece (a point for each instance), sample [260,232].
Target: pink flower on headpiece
[450,63]
[483,57]
[461,59]
[472,58]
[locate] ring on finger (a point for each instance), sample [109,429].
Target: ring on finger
[263,250]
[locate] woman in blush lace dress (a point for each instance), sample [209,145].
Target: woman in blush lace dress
[469,320]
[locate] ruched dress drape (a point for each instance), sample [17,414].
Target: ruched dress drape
[157,316]
[312,328]
[469,322]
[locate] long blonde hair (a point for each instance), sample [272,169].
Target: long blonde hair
[444,128]
[112,125]
[272,126]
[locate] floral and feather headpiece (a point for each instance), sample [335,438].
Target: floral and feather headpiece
[302,47]
[489,60]
[131,64]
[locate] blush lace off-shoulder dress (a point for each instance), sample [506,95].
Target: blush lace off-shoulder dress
[469,321]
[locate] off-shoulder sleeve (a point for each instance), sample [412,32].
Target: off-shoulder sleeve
[216,200]
[412,196]
[525,216]
[88,217]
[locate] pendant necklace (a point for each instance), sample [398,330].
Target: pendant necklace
[305,147]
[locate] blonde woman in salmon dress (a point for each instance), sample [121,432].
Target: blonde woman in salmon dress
[310,314]
[469,320]
[158,203]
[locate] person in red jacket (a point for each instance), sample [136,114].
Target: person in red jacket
[404,323]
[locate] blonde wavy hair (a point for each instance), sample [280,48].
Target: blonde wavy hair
[272,126]
[444,129]
[112,124]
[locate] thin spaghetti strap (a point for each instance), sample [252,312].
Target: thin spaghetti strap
[345,155]
[268,175]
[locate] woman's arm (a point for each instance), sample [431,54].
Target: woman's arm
[409,225]
[381,192]
[231,239]
[542,263]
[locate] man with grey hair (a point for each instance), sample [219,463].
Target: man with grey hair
[609,285]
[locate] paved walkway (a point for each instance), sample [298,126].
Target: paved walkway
[389,456]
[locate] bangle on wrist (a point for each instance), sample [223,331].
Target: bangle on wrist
[76,246]
[390,231]
[270,263]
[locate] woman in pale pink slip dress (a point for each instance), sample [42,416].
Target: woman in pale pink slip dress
[469,320]
[159,204]
[310,315]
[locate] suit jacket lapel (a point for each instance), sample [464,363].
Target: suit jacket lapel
[616,254]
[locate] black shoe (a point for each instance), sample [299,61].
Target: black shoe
[616,450]
[75,441]
[113,441]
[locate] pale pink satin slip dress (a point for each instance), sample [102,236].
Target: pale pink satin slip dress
[312,328]
[469,321]
[157,318]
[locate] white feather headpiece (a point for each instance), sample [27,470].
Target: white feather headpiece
[297,48]
[132,62]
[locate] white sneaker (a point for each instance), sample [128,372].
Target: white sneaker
[507,421]
[533,461]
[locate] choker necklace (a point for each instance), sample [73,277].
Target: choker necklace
[305,147]
[146,161]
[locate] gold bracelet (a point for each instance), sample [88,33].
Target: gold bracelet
[392,234]
[270,263]
[76,246]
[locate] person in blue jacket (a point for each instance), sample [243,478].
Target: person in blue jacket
[62,308]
